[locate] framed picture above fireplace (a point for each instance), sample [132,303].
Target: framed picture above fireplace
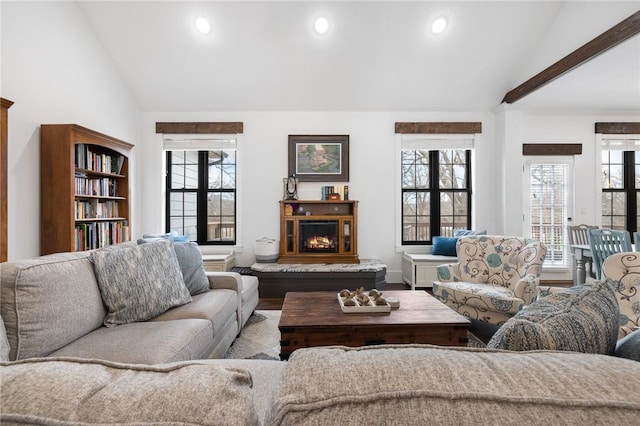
[319,158]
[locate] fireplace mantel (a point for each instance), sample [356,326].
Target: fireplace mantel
[303,221]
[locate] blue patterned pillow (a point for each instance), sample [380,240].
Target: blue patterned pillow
[465,232]
[139,283]
[444,246]
[629,346]
[583,318]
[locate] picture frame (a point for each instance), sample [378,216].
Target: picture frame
[319,158]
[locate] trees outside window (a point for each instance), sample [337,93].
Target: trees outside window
[620,179]
[436,193]
[201,195]
[549,206]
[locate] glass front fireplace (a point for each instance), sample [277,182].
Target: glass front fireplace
[318,236]
[318,231]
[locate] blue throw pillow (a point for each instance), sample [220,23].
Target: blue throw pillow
[173,236]
[629,346]
[465,232]
[445,246]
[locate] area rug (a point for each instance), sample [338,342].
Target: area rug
[260,338]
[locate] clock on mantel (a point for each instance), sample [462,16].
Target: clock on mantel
[290,187]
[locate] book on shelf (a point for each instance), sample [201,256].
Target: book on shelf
[88,159]
[100,187]
[93,235]
[333,192]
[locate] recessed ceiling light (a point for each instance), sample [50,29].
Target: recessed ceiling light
[202,25]
[321,25]
[439,25]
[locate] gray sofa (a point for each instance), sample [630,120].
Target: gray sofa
[375,385]
[67,367]
[58,306]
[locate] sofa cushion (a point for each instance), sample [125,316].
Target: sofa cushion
[63,391]
[145,342]
[420,385]
[190,261]
[139,283]
[216,306]
[581,318]
[48,302]
[266,376]
[444,246]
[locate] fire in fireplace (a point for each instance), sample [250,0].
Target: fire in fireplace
[318,236]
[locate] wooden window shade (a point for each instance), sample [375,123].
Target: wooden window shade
[439,127]
[551,149]
[618,128]
[227,128]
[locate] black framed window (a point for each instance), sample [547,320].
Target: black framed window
[436,193]
[201,195]
[620,190]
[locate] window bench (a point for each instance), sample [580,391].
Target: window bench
[218,262]
[420,270]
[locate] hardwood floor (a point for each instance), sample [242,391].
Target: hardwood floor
[276,303]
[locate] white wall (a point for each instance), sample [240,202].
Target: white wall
[373,174]
[55,71]
[516,128]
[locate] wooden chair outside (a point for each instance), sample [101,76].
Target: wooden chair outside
[604,243]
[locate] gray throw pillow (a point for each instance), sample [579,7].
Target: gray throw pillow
[139,283]
[190,261]
[583,318]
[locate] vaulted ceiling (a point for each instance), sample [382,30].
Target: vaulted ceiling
[377,56]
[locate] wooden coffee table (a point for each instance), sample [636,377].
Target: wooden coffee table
[315,319]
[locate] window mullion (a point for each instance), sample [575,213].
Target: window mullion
[167,210]
[629,184]
[434,183]
[469,184]
[203,179]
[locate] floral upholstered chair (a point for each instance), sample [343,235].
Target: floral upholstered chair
[624,269]
[494,278]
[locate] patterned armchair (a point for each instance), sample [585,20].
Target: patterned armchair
[624,269]
[494,278]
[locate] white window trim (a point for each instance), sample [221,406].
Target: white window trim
[205,142]
[430,142]
[570,161]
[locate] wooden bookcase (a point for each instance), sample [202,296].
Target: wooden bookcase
[5,104]
[84,189]
[341,215]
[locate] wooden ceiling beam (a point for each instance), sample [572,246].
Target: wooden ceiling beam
[605,41]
